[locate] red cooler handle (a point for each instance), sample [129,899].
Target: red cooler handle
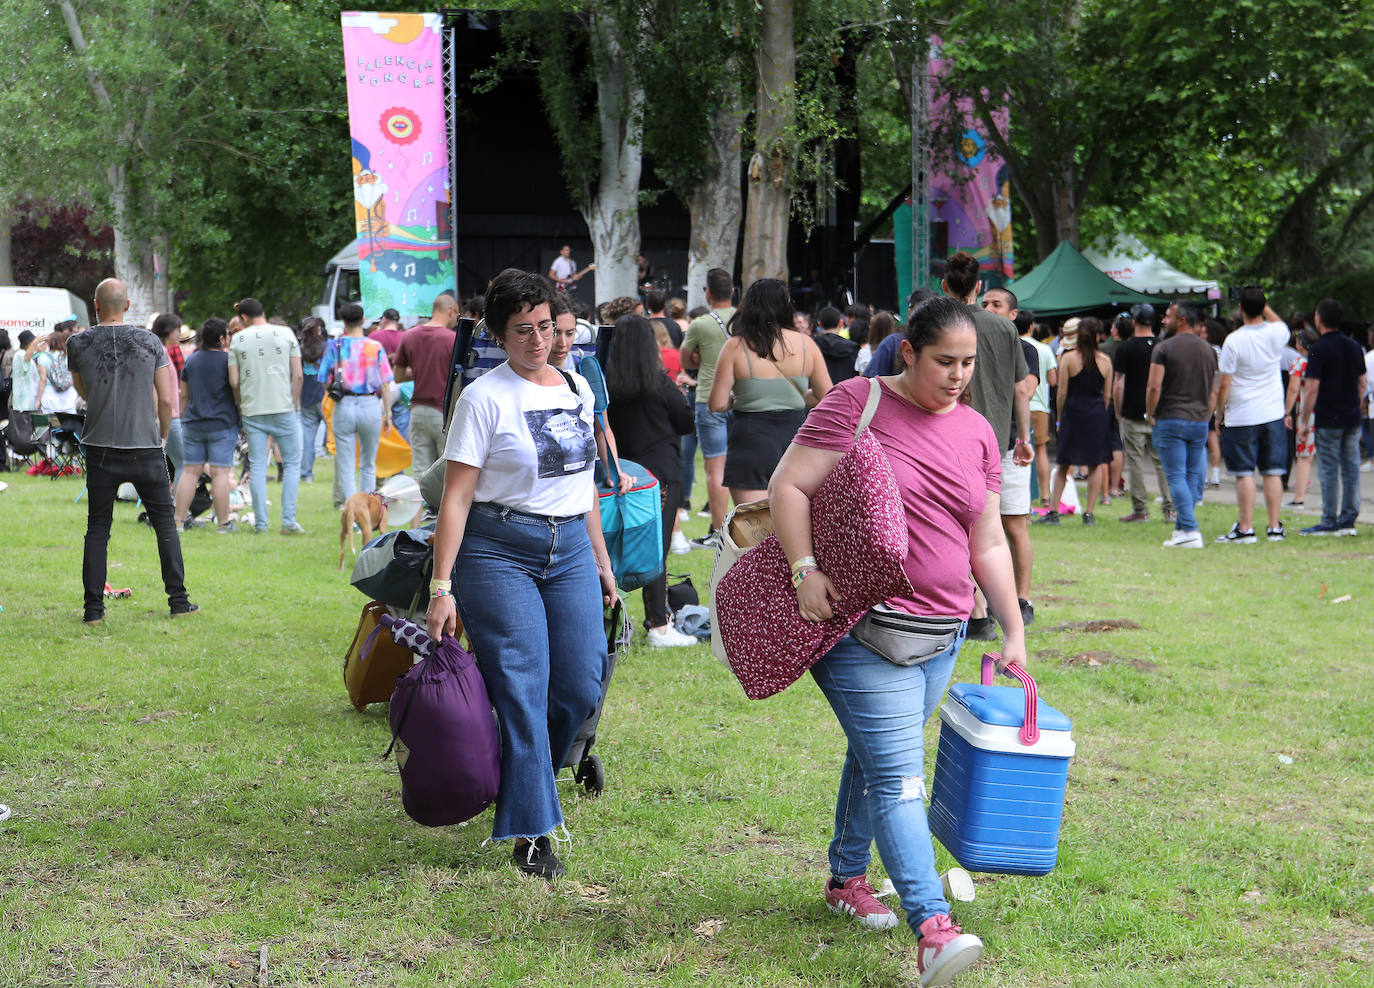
[1030,730]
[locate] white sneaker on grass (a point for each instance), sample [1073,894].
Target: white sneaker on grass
[679,545]
[1184,540]
[669,637]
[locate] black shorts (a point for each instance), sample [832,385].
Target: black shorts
[757,442]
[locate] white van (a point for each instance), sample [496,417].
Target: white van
[38,310]
[341,286]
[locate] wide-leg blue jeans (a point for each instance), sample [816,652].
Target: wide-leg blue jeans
[530,598]
[883,708]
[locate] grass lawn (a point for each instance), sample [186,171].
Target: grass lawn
[187,793]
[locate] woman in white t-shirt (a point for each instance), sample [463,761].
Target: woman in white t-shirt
[518,548]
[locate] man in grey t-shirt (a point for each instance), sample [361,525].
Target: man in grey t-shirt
[123,373]
[1180,396]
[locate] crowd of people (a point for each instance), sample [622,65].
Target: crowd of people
[964,396]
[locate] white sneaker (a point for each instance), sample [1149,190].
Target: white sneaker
[680,545]
[1184,540]
[683,514]
[669,637]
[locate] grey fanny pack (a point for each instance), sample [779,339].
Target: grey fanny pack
[905,639]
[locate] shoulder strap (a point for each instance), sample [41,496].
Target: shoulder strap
[870,406]
[611,462]
[719,322]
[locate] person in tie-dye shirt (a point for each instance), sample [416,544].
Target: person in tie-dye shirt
[357,367]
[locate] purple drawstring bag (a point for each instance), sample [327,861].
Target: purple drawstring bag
[443,731]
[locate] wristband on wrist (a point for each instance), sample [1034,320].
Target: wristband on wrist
[804,561]
[799,577]
[436,594]
[435,586]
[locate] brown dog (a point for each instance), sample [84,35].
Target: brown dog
[368,512]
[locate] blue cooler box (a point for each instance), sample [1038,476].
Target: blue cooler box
[996,803]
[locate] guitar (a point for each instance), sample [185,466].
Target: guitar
[563,284]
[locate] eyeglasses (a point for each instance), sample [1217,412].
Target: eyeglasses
[524,331]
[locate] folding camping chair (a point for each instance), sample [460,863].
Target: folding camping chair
[65,444]
[25,446]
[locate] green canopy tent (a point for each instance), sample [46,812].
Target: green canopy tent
[1066,283]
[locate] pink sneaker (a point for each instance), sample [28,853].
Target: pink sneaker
[944,951]
[859,899]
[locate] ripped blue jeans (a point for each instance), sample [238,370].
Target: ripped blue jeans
[883,709]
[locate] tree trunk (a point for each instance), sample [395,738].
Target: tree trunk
[1066,204]
[613,216]
[717,203]
[765,225]
[133,255]
[6,256]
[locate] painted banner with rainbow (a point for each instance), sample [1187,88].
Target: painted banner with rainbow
[401,193]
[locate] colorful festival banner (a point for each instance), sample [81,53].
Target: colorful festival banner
[401,191]
[970,190]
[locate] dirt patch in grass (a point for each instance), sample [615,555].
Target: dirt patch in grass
[1094,659]
[1051,598]
[1097,625]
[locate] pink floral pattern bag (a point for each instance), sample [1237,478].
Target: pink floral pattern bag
[859,537]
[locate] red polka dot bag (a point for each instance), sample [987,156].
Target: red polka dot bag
[859,538]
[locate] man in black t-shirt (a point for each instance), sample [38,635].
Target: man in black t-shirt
[655,301]
[1333,386]
[1132,366]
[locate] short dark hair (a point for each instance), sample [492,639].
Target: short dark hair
[211,333]
[856,311]
[1252,301]
[391,314]
[166,324]
[250,308]
[511,292]
[918,296]
[828,318]
[1011,296]
[1187,312]
[1024,320]
[1330,312]
[962,273]
[719,285]
[655,299]
[930,320]
[352,314]
[1123,325]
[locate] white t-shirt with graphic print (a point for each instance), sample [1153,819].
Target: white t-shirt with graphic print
[534,444]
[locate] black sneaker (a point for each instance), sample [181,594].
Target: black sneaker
[983,629]
[1088,520]
[93,616]
[1275,534]
[188,609]
[191,523]
[711,541]
[1236,537]
[537,858]
[1052,518]
[1027,611]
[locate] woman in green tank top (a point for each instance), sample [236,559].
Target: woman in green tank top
[768,374]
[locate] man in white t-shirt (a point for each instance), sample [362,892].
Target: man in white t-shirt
[563,269]
[1250,393]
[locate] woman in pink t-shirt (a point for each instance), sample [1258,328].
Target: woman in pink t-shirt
[947,463]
